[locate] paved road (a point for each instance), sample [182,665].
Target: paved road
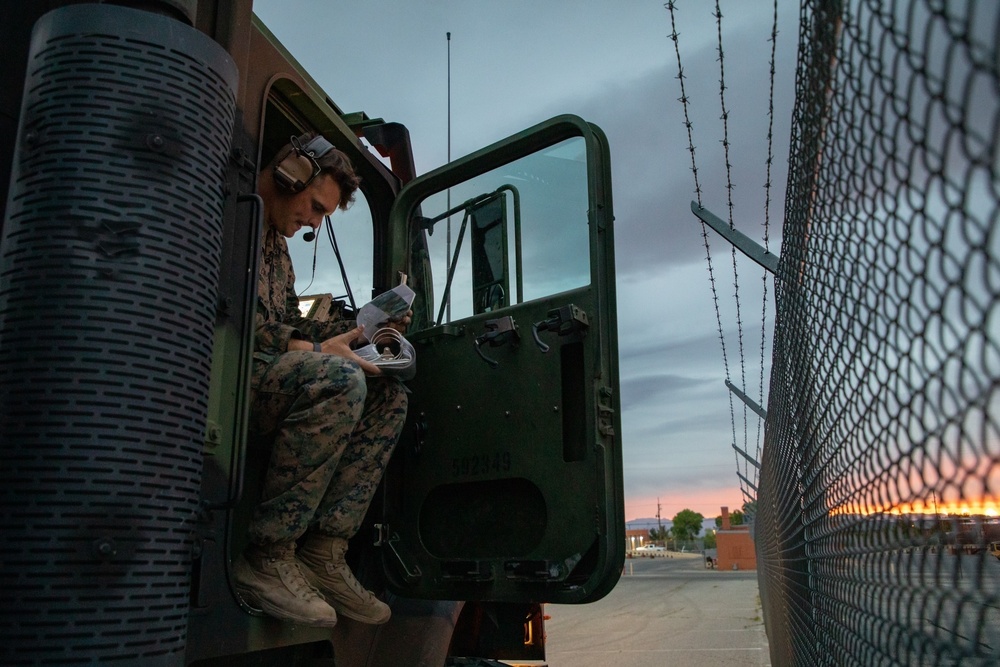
[664,611]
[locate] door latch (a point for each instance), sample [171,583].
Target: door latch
[498,332]
[564,321]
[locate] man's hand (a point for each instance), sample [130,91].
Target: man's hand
[341,346]
[401,323]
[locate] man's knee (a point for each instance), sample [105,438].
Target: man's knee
[340,378]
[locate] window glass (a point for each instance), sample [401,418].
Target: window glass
[545,194]
[353,232]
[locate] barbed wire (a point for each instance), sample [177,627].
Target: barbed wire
[736,274]
[684,100]
[743,466]
[767,221]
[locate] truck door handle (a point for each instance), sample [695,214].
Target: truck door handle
[498,332]
[564,321]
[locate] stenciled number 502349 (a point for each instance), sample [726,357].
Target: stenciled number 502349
[481,464]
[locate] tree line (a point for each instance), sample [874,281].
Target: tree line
[687,525]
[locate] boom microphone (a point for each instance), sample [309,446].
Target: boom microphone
[309,236]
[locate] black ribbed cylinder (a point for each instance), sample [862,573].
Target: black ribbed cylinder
[109,265]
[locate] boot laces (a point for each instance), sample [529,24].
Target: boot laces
[291,575]
[353,583]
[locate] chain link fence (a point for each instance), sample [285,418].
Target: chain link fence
[881,463]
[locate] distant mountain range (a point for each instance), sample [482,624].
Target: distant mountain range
[646,524]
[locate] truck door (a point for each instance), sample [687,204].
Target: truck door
[507,481]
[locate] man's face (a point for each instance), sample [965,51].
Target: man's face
[289,214]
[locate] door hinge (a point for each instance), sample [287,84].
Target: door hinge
[242,160]
[213,435]
[605,413]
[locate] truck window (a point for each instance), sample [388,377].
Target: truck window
[353,231]
[517,233]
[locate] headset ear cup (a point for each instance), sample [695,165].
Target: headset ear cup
[298,167]
[293,173]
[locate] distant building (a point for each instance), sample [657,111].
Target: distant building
[735,546]
[635,538]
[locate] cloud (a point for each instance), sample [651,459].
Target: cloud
[652,388]
[644,120]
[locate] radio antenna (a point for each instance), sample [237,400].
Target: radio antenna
[448,203]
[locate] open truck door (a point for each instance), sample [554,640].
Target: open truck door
[507,481]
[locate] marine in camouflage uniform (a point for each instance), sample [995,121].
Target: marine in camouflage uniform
[332,428]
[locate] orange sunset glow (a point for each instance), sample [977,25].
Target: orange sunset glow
[708,503]
[983,507]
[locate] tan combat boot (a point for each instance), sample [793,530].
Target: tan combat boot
[270,578]
[326,569]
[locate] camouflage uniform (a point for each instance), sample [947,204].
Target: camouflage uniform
[333,429]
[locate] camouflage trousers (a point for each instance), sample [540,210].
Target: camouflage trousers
[333,433]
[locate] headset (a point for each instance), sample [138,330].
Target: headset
[299,167]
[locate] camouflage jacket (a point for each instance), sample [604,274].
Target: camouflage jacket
[278,317]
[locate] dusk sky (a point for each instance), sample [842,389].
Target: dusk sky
[517,63]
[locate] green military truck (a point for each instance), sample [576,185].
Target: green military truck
[131,137]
